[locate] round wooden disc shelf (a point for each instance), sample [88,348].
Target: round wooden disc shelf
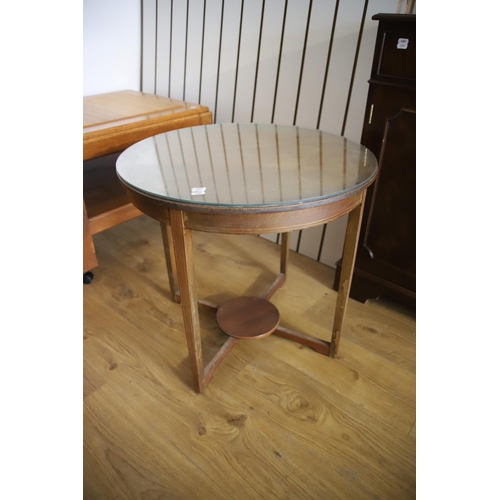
[248,318]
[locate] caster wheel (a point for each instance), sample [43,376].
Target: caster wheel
[88,277]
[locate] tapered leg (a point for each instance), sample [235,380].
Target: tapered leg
[183,249]
[168,247]
[348,260]
[285,243]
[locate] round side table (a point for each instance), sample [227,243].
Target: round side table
[246,179]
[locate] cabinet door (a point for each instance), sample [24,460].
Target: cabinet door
[388,236]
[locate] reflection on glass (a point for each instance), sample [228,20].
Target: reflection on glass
[246,164]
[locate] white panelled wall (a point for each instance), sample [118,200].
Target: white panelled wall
[290,62]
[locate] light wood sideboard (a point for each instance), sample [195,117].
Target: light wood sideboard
[111,123]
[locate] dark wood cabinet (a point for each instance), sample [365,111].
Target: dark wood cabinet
[386,258]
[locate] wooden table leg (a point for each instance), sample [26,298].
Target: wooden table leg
[285,243]
[168,247]
[183,247]
[348,260]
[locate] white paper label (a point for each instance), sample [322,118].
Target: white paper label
[198,191]
[403,43]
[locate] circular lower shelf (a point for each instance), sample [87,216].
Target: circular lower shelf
[248,318]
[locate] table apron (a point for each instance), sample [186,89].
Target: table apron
[249,223]
[267,223]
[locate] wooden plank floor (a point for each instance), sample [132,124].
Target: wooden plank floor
[278,420]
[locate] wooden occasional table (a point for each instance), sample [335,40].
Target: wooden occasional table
[111,123]
[246,179]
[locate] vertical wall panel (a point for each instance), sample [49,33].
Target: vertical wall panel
[213,20]
[293,45]
[148,75]
[268,61]
[310,240]
[294,240]
[250,32]
[163,60]
[194,50]
[227,65]
[341,63]
[315,62]
[178,52]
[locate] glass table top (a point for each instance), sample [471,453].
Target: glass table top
[246,165]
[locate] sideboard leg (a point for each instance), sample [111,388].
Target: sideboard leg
[348,260]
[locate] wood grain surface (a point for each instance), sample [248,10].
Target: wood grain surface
[278,420]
